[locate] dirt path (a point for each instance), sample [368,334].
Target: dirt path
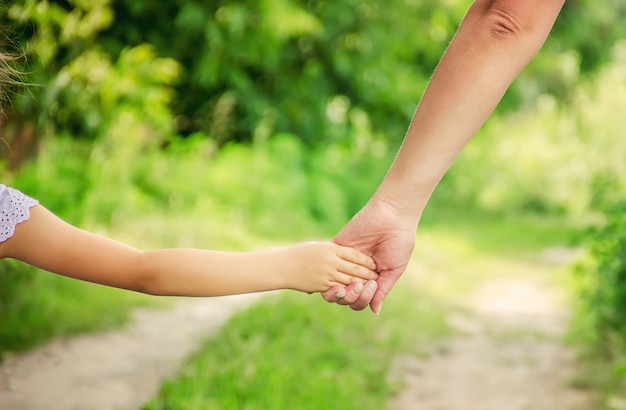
[114,370]
[508,355]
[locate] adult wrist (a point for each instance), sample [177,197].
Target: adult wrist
[409,211]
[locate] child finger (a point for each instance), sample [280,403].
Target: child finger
[354,256]
[358,271]
[344,279]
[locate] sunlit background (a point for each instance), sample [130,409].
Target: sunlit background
[245,124]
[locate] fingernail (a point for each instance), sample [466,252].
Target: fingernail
[378,310]
[340,294]
[372,285]
[358,288]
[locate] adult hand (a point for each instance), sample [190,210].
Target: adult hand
[386,233]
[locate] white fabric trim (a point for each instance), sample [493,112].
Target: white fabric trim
[14,208]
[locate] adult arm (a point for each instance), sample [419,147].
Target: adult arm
[494,42]
[47,242]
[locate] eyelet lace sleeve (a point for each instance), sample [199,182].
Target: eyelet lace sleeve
[14,208]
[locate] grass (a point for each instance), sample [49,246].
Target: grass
[295,352]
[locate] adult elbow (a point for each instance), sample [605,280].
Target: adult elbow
[516,19]
[502,23]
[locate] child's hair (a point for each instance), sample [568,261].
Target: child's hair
[10,77]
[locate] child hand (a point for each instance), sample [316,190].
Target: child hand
[317,266]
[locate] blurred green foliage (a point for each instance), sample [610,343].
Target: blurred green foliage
[555,157]
[341,78]
[599,326]
[277,188]
[604,276]
[251,69]
[581,42]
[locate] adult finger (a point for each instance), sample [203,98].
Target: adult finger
[359,295]
[385,284]
[334,294]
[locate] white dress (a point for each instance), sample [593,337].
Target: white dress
[14,208]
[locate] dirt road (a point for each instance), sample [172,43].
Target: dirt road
[114,370]
[509,355]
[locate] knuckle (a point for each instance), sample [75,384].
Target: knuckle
[363,272]
[355,270]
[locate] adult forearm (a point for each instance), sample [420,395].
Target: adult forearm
[493,44]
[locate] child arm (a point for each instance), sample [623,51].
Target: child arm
[47,242]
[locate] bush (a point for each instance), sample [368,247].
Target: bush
[257,68]
[599,325]
[603,274]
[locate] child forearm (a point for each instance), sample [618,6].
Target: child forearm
[193,272]
[308,267]
[45,241]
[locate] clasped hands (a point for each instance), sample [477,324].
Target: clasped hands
[387,235]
